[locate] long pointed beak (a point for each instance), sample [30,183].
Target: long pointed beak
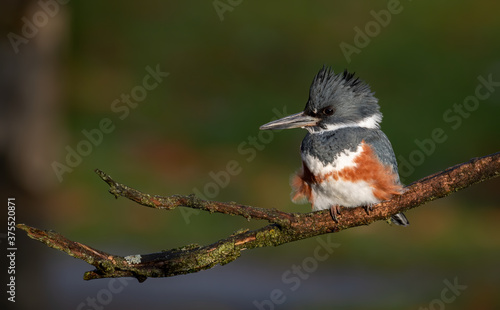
[291,121]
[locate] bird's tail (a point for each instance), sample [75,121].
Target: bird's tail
[400,219]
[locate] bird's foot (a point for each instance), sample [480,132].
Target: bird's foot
[368,208]
[334,211]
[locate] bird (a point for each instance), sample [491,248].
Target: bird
[347,161]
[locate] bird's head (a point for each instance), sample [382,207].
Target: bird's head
[335,101]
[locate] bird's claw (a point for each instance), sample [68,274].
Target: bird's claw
[368,208]
[334,210]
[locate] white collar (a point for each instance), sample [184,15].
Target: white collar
[371,122]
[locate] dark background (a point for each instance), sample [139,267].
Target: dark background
[228,70]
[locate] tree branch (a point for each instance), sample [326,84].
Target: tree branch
[283,228]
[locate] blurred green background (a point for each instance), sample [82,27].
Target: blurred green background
[230,64]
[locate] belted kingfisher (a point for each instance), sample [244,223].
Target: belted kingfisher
[346,159]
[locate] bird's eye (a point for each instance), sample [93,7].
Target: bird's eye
[328,111]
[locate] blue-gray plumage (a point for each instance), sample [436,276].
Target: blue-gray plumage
[330,145]
[346,159]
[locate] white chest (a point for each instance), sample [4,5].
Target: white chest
[335,191]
